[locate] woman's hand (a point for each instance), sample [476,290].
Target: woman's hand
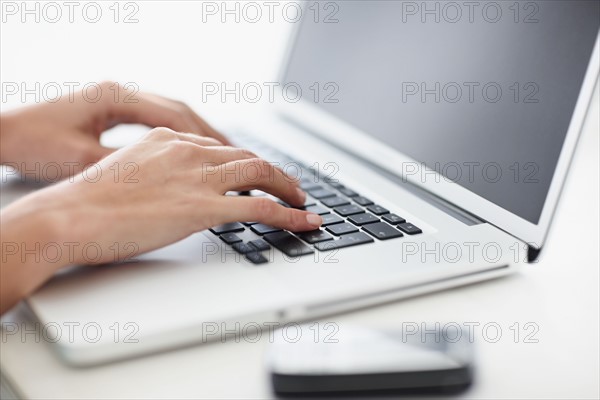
[149,194]
[170,185]
[66,133]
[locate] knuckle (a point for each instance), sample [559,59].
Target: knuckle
[294,220]
[253,170]
[160,133]
[181,104]
[108,88]
[245,153]
[182,149]
[108,85]
[264,208]
[213,141]
[264,169]
[253,162]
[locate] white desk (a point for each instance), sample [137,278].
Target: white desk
[560,294]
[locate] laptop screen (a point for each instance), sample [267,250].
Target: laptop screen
[481,92]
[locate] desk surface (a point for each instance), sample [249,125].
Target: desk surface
[558,296]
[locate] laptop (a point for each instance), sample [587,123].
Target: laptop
[433,141]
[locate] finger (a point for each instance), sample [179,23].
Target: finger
[201,126]
[153,110]
[88,150]
[199,140]
[150,110]
[165,135]
[267,212]
[224,154]
[100,152]
[211,152]
[255,173]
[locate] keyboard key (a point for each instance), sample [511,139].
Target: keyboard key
[363,201]
[256,258]
[261,229]
[250,223]
[230,238]
[317,210]
[336,185]
[335,201]
[393,219]
[309,185]
[378,210]
[352,239]
[288,244]
[321,193]
[341,229]
[352,209]
[330,219]
[315,236]
[382,231]
[313,173]
[308,202]
[363,219]
[348,192]
[225,228]
[243,248]
[260,244]
[409,228]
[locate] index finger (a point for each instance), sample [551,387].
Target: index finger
[263,210]
[255,173]
[154,111]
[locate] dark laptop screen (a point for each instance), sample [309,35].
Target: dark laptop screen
[482,92]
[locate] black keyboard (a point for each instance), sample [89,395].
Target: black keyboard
[349,219]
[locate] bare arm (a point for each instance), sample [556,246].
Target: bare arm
[178,189]
[30,229]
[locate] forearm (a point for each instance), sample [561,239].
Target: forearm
[6,137]
[32,246]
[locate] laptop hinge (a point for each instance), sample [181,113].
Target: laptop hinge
[441,204]
[533,253]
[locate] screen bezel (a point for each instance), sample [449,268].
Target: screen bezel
[360,143]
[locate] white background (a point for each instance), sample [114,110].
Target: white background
[172,42]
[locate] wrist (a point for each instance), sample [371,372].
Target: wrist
[7,133]
[39,229]
[32,241]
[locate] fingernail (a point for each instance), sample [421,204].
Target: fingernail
[314,219]
[301,194]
